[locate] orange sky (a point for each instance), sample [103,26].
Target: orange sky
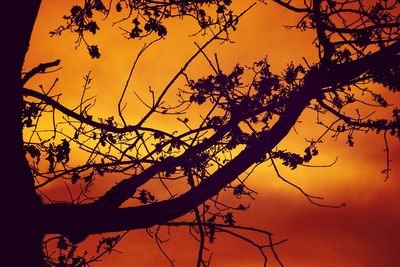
[365,233]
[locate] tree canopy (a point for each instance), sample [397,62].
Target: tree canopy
[232,121]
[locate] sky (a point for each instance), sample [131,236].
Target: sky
[362,234]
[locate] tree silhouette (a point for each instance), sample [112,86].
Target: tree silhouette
[248,111]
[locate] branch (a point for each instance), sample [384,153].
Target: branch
[41,68]
[290,7]
[353,122]
[225,227]
[322,37]
[182,70]
[364,29]
[94,218]
[88,120]
[77,221]
[144,48]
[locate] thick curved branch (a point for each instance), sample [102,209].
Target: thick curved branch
[124,189]
[90,218]
[76,222]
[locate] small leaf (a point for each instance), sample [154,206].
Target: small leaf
[118,7]
[94,51]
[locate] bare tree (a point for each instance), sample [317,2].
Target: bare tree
[248,112]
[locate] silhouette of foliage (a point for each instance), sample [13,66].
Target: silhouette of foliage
[249,110]
[147,17]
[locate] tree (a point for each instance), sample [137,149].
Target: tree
[357,43]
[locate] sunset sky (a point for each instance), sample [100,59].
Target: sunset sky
[362,234]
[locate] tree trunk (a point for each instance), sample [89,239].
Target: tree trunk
[23,234]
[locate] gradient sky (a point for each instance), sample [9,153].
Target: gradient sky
[364,233]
